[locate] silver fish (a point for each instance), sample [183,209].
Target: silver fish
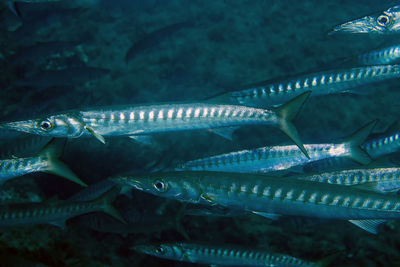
[384,180]
[268,94]
[384,55]
[221,255]
[276,158]
[45,161]
[144,120]
[271,196]
[55,212]
[386,22]
[377,146]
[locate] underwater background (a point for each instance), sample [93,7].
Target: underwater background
[77,54]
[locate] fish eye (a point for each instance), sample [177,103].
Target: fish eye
[160,186]
[45,125]
[160,250]
[383,20]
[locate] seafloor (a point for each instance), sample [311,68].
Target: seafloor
[225,45]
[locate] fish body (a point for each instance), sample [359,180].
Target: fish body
[384,143]
[386,22]
[93,191]
[386,55]
[268,195]
[145,120]
[45,161]
[377,146]
[267,94]
[378,179]
[54,212]
[220,255]
[276,158]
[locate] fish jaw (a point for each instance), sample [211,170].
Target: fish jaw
[366,25]
[28,126]
[386,22]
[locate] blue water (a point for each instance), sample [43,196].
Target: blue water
[220,46]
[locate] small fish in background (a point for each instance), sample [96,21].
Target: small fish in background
[138,121]
[38,52]
[271,197]
[45,161]
[278,158]
[56,212]
[274,93]
[386,22]
[151,40]
[223,255]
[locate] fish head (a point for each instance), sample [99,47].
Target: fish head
[386,22]
[173,185]
[166,251]
[53,126]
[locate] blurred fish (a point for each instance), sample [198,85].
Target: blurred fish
[384,55]
[137,221]
[213,211]
[150,40]
[55,212]
[93,191]
[267,94]
[384,180]
[45,161]
[223,255]
[386,22]
[136,121]
[59,78]
[33,53]
[267,159]
[22,146]
[271,196]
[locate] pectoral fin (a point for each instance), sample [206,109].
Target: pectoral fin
[226,132]
[143,139]
[96,135]
[271,216]
[370,226]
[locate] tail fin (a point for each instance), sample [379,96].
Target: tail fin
[287,112]
[106,203]
[355,141]
[52,151]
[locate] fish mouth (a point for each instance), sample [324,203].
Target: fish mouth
[20,126]
[360,26]
[123,180]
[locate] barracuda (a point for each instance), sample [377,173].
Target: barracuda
[384,143]
[384,55]
[45,161]
[145,120]
[268,94]
[379,179]
[55,212]
[386,22]
[377,146]
[221,255]
[267,159]
[271,196]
